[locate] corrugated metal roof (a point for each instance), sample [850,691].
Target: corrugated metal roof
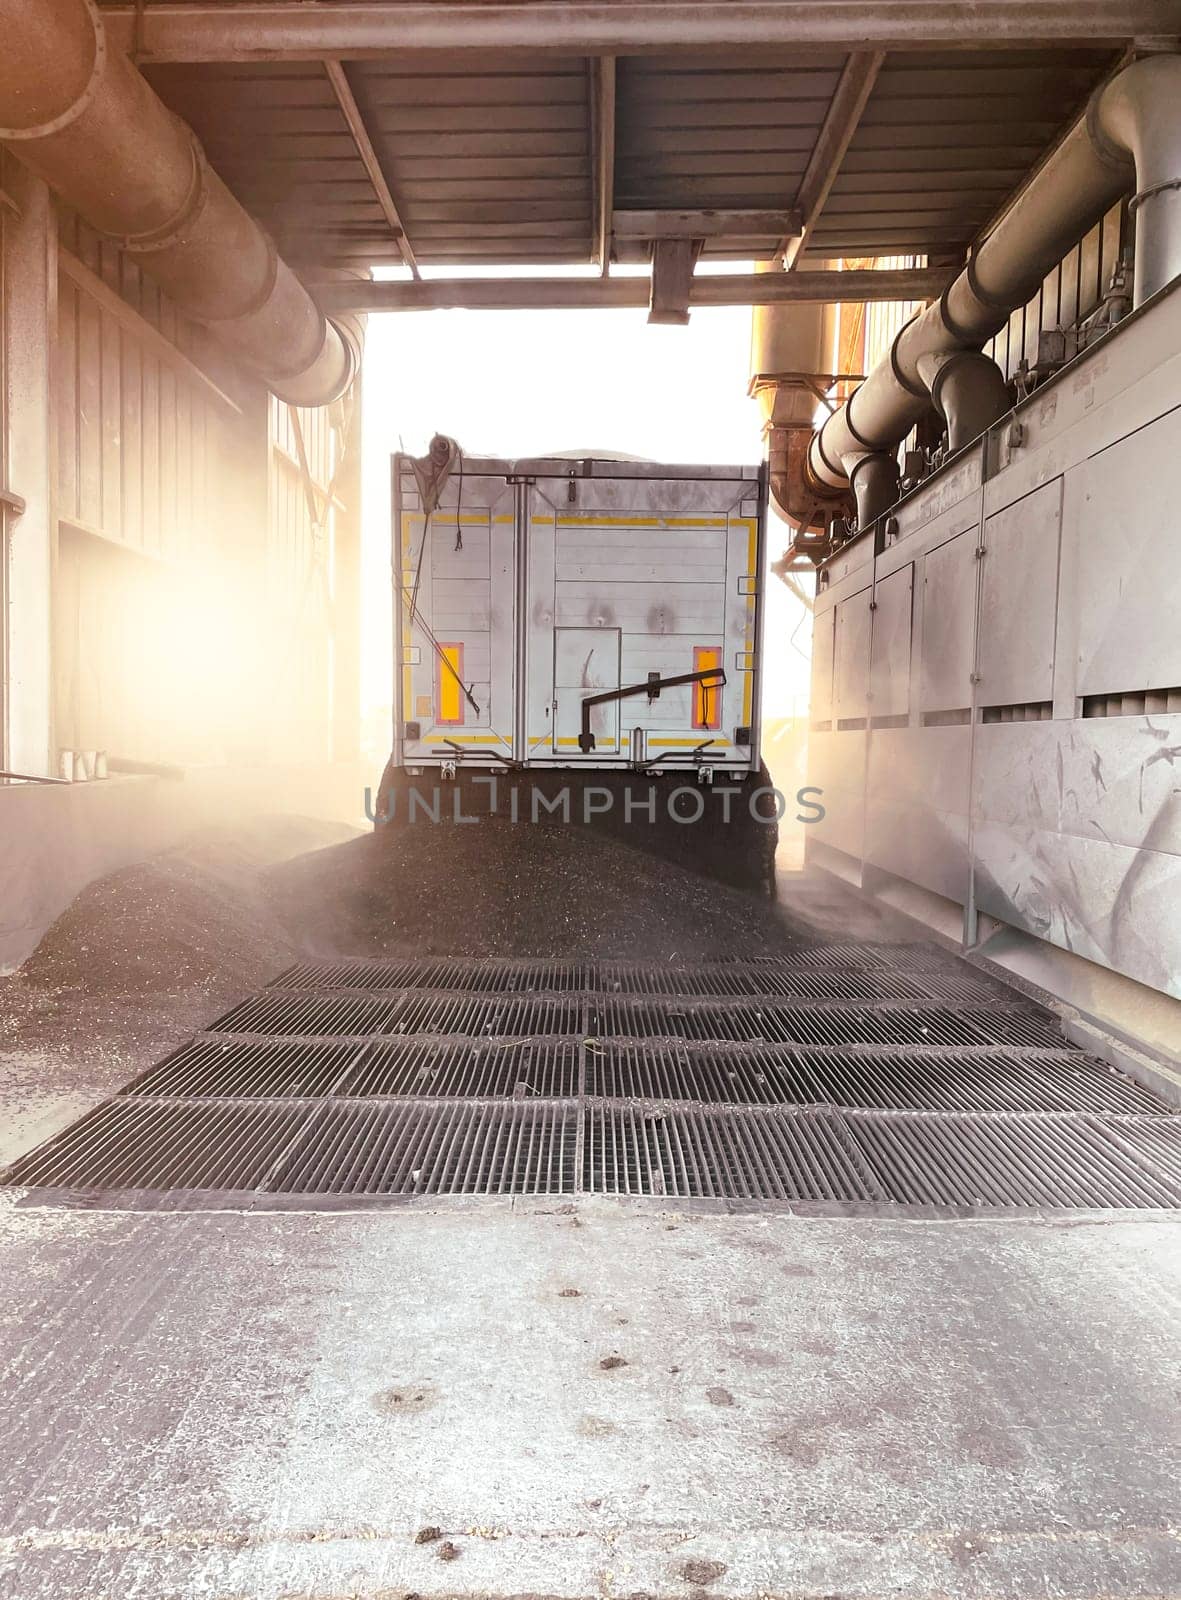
[490,159]
[944,139]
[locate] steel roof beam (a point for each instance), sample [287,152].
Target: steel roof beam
[351,112]
[575,294]
[303,30]
[710,224]
[603,80]
[849,100]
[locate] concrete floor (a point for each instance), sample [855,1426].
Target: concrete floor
[275,1405]
[272,1406]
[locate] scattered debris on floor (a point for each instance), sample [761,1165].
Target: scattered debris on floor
[146,957]
[499,888]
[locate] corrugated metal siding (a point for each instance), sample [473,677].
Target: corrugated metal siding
[139,443]
[143,453]
[300,562]
[1069,293]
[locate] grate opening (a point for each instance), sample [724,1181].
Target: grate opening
[150,1144]
[440,1015]
[672,1072]
[313,1016]
[415,1149]
[323,1016]
[983,1082]
[517,1071]
[775,1023]
[976,1161]
[729,1156]
[785,979]
[1159,1147]
[479,977]
[228,1067]
[844,1075]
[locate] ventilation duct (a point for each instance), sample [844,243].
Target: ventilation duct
[968,390]
[78,113]
[1130,134]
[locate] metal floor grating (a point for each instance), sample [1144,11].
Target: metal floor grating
[832,1077]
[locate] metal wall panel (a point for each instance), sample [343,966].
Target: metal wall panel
[457,570]
[1019,600]
[1127,582]
[823,625]
[850,695]
[890,665]
[1067,827]
[949,608]
[916,824]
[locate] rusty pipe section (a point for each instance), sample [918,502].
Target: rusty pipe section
[792,359]
[1130,134]
[79,114]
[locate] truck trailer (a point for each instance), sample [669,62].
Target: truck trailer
[576,613]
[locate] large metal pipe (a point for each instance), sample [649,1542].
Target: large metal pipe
[1131,133]
[77,113]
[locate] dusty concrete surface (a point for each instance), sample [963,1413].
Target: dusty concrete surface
[570,1400]
[585,1402]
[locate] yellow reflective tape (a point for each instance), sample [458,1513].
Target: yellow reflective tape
[450,685]
[707,697]
[689,744]
[599,519]
[477,738]
[442,519]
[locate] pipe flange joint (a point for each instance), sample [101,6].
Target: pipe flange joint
[965,336]
[72,112]
[818,440]
[951,360]
[171,232]
[866,444]
[872,459]
[1138,200]
[916,390]
[265,289]
[992,301]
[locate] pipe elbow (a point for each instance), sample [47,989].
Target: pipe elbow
[1134,120]
[1134,116]
[968,390]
